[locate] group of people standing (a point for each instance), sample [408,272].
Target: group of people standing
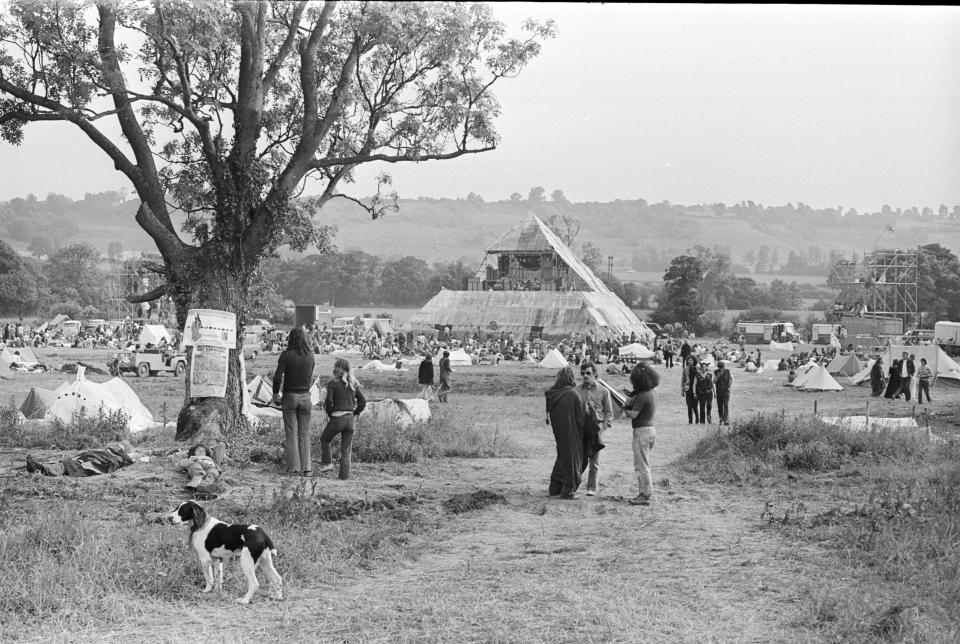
[900,378]
[699,386]
[580,414]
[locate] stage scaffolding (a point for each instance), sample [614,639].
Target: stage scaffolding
[885,282]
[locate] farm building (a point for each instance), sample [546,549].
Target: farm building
[530,284]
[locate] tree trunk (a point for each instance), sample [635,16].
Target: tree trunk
[202,281]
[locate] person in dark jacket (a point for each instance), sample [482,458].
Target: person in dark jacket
[723,382]
[566,414]
[425,376]
[445,371]
[688,391]
[640,407]
[344,402]
[703,383]
[294,377]
[876,377]
[893,382]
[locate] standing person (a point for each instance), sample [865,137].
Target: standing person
[640,408]
[668,355]
[566,414]
[425,376]
[687,390]
[723,381]
[924,375]
[684,351]
[294,376]
[893,381]
[907,369]
[343,404]
[876,377]
[596,400]
[445,372]
[703,383]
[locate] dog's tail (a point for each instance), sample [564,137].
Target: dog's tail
[269,543]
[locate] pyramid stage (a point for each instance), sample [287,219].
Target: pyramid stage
[530,284]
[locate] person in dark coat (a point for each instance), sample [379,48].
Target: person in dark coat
[876,377]
[445,371]
[291,390]
[893,382]
[425,376]
[685,352]
[566,414]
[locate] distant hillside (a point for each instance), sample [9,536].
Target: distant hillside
[641,237]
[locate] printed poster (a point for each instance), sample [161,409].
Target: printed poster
[208,371]
[210,328]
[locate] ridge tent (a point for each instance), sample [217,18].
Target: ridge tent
[152,334]
[945,369]
[260,390]
[844,365]
[21,356]
[553,360]
[863,375]
[802,377]
[636,350]
[111,396]
[819,379]
[37,402]
[458,358]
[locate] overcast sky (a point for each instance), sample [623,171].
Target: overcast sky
[827,105]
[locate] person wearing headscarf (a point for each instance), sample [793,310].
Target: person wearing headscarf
[566,414]
[640,408]
[294,377]
[445,371]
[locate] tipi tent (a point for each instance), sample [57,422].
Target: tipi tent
[37,402]
[152,334]
[807,369]
[636,350]
[553,360]
[819,379]
[945,369]
[111,396]
[844,365]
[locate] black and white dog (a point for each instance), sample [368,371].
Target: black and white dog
[215,541]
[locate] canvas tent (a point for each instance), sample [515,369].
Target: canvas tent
[636,350]
[863,375]
[819,379]
[37,402]
[781,346]
[260,390]
[572,298]
[458,358]
[20,356]
[111,396]
[804,372]
[152,334]
[553,360]
[945,369]
[844,365]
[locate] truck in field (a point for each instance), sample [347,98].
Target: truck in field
[761,332]
[947,335]
[148,362]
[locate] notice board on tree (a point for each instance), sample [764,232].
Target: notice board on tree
[212,334]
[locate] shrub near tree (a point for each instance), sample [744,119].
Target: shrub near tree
[241,102]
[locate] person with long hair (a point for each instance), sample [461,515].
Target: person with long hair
[294,377]
[566,414]
[344,402]
[640,407]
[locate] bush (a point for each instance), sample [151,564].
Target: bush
[769,442]
[82,432]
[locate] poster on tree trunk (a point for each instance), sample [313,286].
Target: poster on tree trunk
[208,371]
[210,328]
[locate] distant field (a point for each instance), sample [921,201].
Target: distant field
[657,276]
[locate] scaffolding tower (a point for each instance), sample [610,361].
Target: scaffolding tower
[883,284]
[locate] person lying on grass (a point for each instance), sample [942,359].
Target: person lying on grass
[204,472]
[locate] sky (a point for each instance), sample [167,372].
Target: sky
[850,106]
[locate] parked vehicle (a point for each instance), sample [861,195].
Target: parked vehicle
[149,362]
[918,336]
[760,332]
[947,335]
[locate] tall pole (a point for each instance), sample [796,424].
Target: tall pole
[609,267]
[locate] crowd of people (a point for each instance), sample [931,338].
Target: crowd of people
[116,336]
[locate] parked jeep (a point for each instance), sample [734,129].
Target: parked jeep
[148,362]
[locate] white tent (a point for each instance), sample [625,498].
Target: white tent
[636,350]
[458,358]
[20,356]
[111,396]
[819,379]
[945,369]
[863,375]
[553,360]
[152,334]
[377,365]
[770,365]
[260,390]
[844,365]
[806,369]
[782,346]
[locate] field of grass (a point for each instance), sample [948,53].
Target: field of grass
[738,547]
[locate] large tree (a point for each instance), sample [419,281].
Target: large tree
[227,108]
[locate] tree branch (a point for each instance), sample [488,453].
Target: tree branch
[327,163]
[285,48]
[150,296]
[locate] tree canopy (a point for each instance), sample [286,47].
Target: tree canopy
[227,109]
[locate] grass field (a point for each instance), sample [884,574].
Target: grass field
[723,554]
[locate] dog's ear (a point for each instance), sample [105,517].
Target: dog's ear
[199,516]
